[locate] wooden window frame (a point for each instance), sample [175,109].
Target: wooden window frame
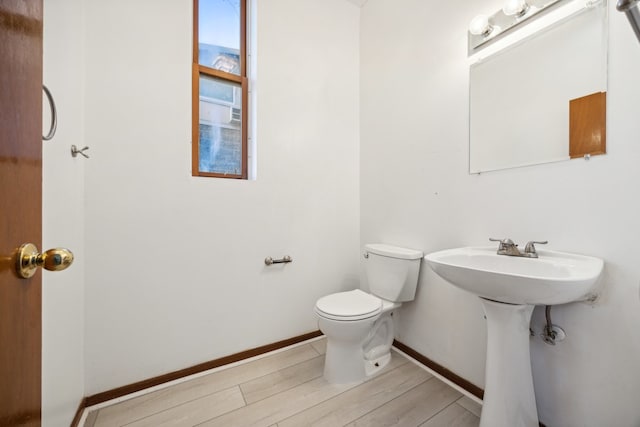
[201,70]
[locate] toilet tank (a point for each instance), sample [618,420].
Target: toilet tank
[392,272]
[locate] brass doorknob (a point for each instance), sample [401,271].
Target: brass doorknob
[29,259]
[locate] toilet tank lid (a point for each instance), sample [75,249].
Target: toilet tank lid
[393,251]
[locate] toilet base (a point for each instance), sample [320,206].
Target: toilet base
[356,350]
[372,367]
[347,364]
[343,364]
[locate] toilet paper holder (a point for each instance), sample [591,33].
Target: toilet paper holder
[286,259]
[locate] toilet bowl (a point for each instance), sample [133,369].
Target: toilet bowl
[360,330]
[359,325]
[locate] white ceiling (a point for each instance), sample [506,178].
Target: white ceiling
[359,3]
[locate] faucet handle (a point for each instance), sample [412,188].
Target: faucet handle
[503,242]
[506,244]
[530,247]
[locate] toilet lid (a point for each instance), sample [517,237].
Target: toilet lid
[352,305]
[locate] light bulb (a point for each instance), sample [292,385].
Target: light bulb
[480,26]
[515,7]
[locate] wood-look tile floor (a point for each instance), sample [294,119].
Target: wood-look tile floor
[286,389]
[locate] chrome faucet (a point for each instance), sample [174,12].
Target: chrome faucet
[530,249]
[507,247]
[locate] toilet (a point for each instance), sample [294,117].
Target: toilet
[359,325]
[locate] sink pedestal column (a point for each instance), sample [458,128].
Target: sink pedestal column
[509,398]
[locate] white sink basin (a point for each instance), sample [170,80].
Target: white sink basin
[553,278]
[509,288]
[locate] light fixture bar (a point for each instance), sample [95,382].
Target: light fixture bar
[501,23]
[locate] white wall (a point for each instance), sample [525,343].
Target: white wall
[416,191]
[175,272]
[171,280]
[63,215]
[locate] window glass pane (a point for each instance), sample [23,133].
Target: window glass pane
[216,90]
[219,34]
[220,144]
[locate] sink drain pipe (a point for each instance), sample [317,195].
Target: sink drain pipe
[551,332]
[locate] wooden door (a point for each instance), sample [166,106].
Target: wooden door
[20,209]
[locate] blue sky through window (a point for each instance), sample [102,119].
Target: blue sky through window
[220,23]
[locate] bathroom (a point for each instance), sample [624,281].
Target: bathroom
[361,127]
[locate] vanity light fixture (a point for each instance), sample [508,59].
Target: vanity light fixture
[484,29]
[515,7]
[480,26]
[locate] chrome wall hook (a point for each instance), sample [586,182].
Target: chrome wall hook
[75,151]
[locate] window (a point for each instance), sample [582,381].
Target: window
[220,88]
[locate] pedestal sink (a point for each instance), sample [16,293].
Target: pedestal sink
[509,288]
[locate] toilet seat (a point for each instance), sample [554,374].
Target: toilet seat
[349,306]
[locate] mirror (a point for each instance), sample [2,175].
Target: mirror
[519,97]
